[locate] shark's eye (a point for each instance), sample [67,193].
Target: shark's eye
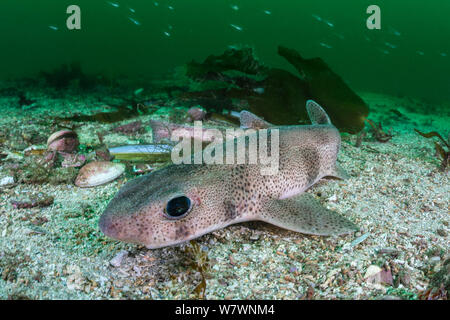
[178,207]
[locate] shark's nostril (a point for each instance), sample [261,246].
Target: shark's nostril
[102,223]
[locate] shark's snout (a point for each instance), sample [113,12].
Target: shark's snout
[108,226]
[118,227]
[123,227]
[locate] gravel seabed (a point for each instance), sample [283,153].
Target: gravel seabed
[397,195]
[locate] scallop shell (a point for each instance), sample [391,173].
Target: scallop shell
[196,114]
[98,172]
[63,140]
[60,134]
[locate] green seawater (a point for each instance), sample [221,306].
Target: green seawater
[409,55]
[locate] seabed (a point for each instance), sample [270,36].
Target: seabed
[397,195]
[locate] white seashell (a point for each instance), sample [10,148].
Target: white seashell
[98,172]
[372,271]
[118,259]
[6,180]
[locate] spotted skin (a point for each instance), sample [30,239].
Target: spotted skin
[226,194]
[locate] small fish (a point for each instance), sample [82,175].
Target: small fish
[267,12]
[156,4]
[443,54]
[138,91]
[134,21]
[316,17]
[340,36]
[390,45]
[53,28]
[167,34]
[234,7]
[421,53]
[323,44]
[236,27]
[115,5]
[170,8]
[329,23]
[259,90]
[169,26]
[383,51]
[132,10]
[394,32]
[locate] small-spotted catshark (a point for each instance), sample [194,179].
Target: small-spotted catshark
[182,202]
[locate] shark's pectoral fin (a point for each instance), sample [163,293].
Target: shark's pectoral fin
[338,172]
[305,214]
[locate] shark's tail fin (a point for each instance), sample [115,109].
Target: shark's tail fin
[316,113]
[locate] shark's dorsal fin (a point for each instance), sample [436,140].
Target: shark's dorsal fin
[316,113]
[252,121]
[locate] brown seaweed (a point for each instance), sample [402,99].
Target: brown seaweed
[277,95]
[122,113]
[433,134]
[360,137]
[72,76]
[439,147]
[39,200]
[378,132]
[345,108]
[198,260]
[280,88]
[212,68]
[24,101]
